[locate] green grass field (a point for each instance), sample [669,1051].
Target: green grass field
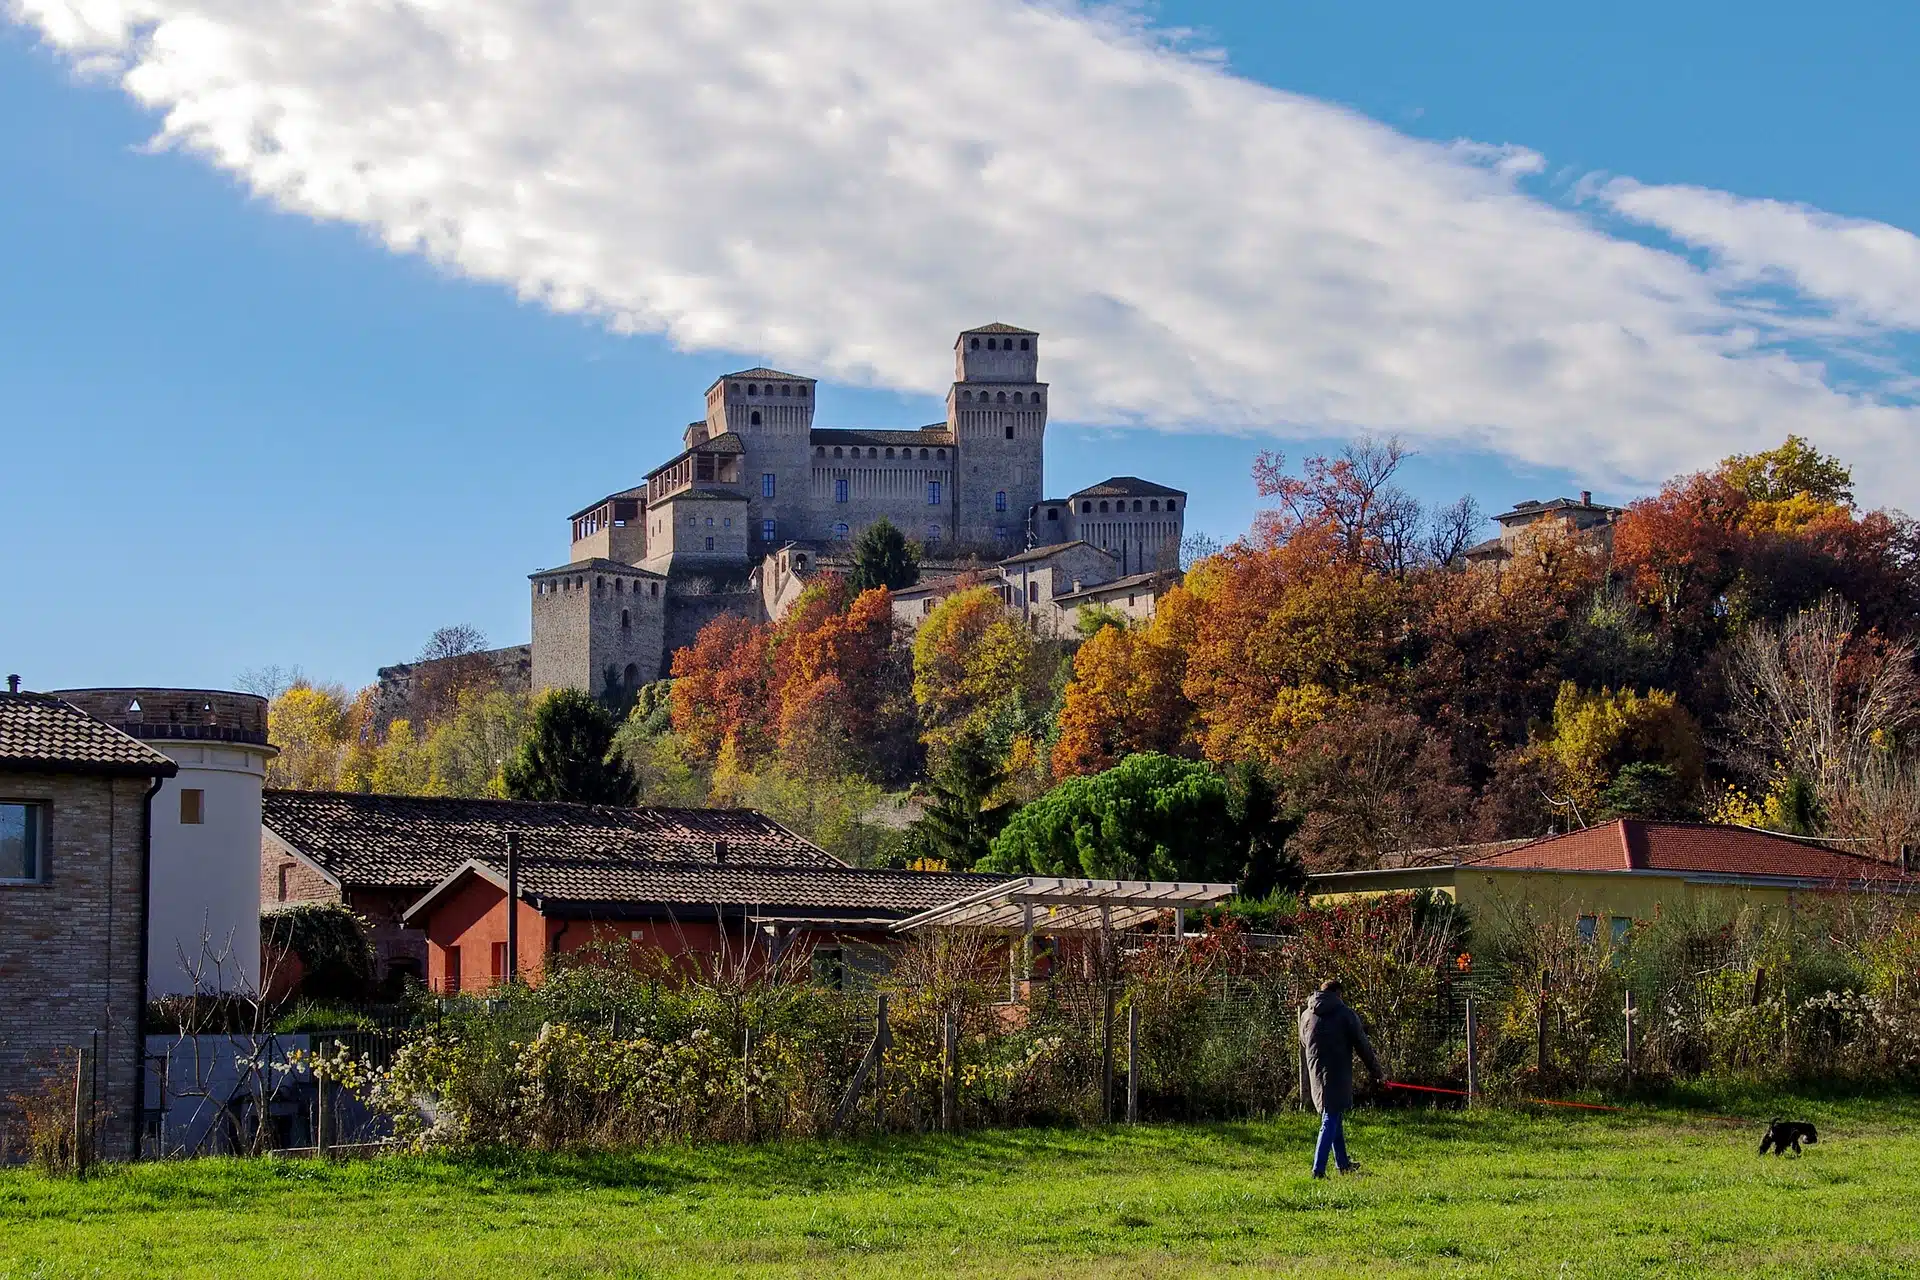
[1448,1193]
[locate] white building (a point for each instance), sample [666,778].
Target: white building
[203,900]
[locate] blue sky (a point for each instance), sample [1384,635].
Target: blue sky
[240,434]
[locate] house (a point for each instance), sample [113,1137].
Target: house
[203,909]
[726,908]
[1585,522]
[1047,586]
[1628,869]
[75,837]
[380,854]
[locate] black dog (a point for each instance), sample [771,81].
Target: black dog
[1782,1134]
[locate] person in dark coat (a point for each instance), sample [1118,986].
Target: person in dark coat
[1330,1034]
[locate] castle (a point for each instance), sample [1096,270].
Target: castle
[758,498]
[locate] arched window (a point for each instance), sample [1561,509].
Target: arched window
[1085,507]
[840,530]
[599,586]
[836,451]
[632,676]
[873,453]
[923,454]
[753,388]
[653,589]
[619,586]
[966,395]
[785,390]
[1017,398]
[801,391]
[820,451]
[1103,508]
[1153,505]
[1036,397]
[626,620]
[941,453]
[1023,344]
[753,419]
[1169,504]
[1136,504]
[889,453]
[990,345]
[1001,398]
[975,344]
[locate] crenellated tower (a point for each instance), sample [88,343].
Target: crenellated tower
[772,415]
[997,412]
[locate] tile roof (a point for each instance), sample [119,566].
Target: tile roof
[1689,848]
[1534,507]
[638,491]
[708,494]
[1132,582]
[923,438]
[761,371]
[417,840]
[998,327]
[598,564]
[1053,549]
[43,734]
[1128,486]
[609,881]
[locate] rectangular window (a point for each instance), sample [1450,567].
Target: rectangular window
[1621,925]
[766,485]
[1000,500]
[23,841]
[1589,928]
[839,490]
[451,982]
[193,806]
[499,963]
[709,544]
[1033,593]
[933,493]
[286,879]
[766,530]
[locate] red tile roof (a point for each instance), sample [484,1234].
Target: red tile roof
[1690,848]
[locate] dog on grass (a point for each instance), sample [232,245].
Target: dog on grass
[1782,1134]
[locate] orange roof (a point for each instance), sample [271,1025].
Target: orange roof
[1691,848]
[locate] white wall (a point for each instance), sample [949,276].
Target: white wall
[206,878]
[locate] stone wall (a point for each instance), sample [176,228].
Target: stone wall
[687,614]
[406,687]
[70,946]
[590,618]
[878,486]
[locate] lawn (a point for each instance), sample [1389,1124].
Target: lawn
[1447,1193]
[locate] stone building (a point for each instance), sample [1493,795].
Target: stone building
[75,815]
[1584,522]
[203,908]
[758,497]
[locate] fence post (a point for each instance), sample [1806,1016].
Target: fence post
[1133,1063]
[79,1111]
[1473,1052]
[883,1034]
[1540,1031]
[319,1109]
[1106,1056]
[950,1082]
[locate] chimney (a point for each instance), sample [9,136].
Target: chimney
[1076,586]
[13,684]
[719,850]
[1586,497]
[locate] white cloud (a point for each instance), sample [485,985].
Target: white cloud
[839,186]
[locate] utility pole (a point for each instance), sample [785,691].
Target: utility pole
[513,906]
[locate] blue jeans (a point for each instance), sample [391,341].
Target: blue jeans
[1333,1137]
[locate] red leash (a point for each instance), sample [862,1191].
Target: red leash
[1544,1102]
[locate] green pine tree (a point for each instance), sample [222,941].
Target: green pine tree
[882,557]
[568,755]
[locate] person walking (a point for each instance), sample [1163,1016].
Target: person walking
[1330,1034]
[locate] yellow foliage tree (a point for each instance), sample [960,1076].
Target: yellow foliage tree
[310,726]
[970,653]
[1596,734]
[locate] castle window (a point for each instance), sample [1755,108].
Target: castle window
[800,391]
[1154,505]
[709,522]
[1136,504]
[990,344]
[966,395]
[766,530]
[1103,508]
[753,388]
[840,530]
[1001,398]
[933,493]
[1017,399]
[1023,344]
[1169,504]
[975,344]
[726,522]
[619,585]
[1036,397]
[839,490]
[889,453]
[933,534]
[1000,500]
[836,451]
[1053,513]
[923,455]
[786,390]
[1085,507]
[626,620]
[1009,431]
[753,419]
[599,586]
[999,533]
[632,676]
[653,588]
[873,453]
[709,544]
[693,520]
[939,453]
[820,451]
[1033,593]
[766,484]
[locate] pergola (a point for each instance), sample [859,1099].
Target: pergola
[1055,904]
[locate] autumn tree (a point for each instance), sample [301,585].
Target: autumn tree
[1596,734]
[1371,782]
[972,654]
[310,727]
[721,691]
[568,754]
[1125,696]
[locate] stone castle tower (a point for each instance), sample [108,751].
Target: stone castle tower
[997,414]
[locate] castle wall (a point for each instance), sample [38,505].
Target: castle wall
[687,614]
[772,417]
[1002,452]
[406,685]
[593,621]
[697,527]
[876,487]
[1144,540]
